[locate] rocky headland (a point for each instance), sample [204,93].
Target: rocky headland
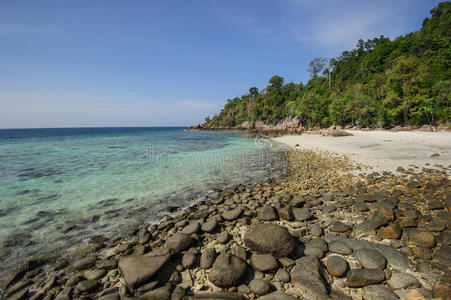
[322,232]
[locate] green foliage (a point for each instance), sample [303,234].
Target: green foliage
[379,83]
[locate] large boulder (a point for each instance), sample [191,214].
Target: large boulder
[269,238]
[227,270]
[138,270]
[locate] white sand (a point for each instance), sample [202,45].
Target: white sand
[382,150]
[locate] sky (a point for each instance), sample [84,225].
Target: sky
[170,63]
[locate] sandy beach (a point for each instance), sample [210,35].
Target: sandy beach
[381,150]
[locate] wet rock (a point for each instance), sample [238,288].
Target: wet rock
[259,287]
[263,262]
[307,276]
[233,214]
[378,292]
[336,266]
[267,213]
[138,270]
[370,258]
[227,270]
[269,238]
[402,280]
[363,277]
[207,258]
[179,242]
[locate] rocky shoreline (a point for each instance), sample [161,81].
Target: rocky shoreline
[320,233]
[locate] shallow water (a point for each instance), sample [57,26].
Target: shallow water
[58,187]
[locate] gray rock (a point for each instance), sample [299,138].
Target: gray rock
[370,258]
[239,252]
[316,230]
[259,287]
[191,228]
[207,258]
[223,237]
[402,280]
[336,266]
[278,296]
[209,226]
[363,277]
[378,292]
[340,227]
[308,277]
[85,263]
[302,214]
[233,214]
[340,248]
[312,251]
[396,259]
[263,262]
[161,293]
[269,238]
[188,260]
[179,242]
[138,270]
[227,270]
[267,213]
[86,285]
[318,243]
[283,275]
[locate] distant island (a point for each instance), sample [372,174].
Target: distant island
[380,83]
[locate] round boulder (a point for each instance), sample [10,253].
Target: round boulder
[227,270]
[269,238]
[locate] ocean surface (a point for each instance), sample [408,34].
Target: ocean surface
[59,187]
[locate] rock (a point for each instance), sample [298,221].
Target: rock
[269,238]
[392,231]
[307,276]
[336,266]
[178,293]
[421,238]
[191,228]
[85,263]
[106,264]
[378,292]
[64,294]
[233,214]
[363,277]
[415,295]
[209,226]
[223,237]
[285,213]
[395,258]
[179,242]
[283,275]
[318,243]
[263,262]
[207,258]
[267,213]
[316,230]
[138,270]
[201,295]
[161,293]
[110,297]
[94,274]
[370,258]
[259,287]
[402,280]
[340,227]
[302,214]
[240,252]
[86,285]
[312,251]
[278,296]
[188,260]
[227,270]
[340,248]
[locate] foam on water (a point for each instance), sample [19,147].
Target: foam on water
[61,186]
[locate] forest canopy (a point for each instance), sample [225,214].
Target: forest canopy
[379,83]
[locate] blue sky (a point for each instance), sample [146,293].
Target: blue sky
[156,63]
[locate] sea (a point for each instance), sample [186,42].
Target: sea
[60,187]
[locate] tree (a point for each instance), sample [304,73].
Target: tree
[316,66]
[276,81]
[253,91]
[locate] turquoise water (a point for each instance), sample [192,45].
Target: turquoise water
[58,187]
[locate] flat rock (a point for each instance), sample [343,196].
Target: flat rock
[308,277]
[370,258]
[395,258]
[263,262]
[340,248]
[336,266]
[227,270]
[201,295]
[179,242]
[402,280]
[191,228]
[269,238]
[421,238]
[340,227]
[378,292]
[302,214]
[233,214]
[363,277]
[138,270]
